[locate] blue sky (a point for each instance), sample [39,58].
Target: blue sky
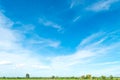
[59,37]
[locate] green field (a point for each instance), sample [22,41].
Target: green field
[56,79]
[83,77]
[40,79]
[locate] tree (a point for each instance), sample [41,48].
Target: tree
[111,77]
[27,75]
[4,77]
[94,77]
[103,77]
[88,76]
[53,77]
[82,77]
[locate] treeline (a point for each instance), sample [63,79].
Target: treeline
[83,77]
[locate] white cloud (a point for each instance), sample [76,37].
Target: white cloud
[16,59]
[8,38]
[4,21]
[5,62]
[102,5]
[108,63]
[75,3]
[54,44]
[93,39]
[90,49]
[41,66]
[50,24]
[20,65]
[108,70]
[26,28]
[63,62]
[77,18]
[37,40]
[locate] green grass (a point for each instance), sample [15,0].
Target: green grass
[56,79]
[39,79]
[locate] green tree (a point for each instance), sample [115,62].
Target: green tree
[53,77]
[94,77]
[103,77]
[88,76]
[4,77]
[111,77]
[82,77]
[27,75]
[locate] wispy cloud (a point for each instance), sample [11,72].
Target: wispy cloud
[75,3]
[5,62]
[63,62]
[9,37]
[109,70]
[50,24]
[76,18]
[25,28]
[41,67]
[4,21]
[37,40]
[101,5]
[92,39]
[88,50]
[108,63]
[15,58]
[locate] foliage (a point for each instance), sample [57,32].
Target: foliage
[84,77]
[88,76]
[27,75]
[111,77]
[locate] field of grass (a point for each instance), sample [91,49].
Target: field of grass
[56,79]
[40,79]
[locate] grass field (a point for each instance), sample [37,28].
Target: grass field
[57,79]
[39,79]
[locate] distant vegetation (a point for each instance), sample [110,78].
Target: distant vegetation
[83,77]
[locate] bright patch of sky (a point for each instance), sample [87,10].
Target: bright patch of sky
[59,37]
